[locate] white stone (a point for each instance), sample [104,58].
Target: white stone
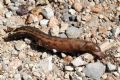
[44,55]
[69,68]
[26,76]
[7,1]
[119,70]
[72,11]
[101,16]
[8,14]
[22,55]
[117,55]
[78,62]
[20,45]
[118,8]
[63,55]
[17,77]
[44,22]
[111,66]
[116,73]
[117,32]
[88,57]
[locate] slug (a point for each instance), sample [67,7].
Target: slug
[68,45]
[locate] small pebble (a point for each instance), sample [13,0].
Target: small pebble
[119,70]
[97,9]
[73,32]
[20,45]
[44,66]
[31,19]
[42,2]
[104,76]
[44,22]
[14,64]
[106,45]
[48,12]
[8,14]
[118,49]
[26,76]
[64,26]
[54,31]
[68,68]
[23,10]
[78,62]
[86,18]
[88,57]
[72,11]
[22,55]
[7,2]
[92,4]
[44,55]
[101,16]
[94,70]
[53,22]
[116,31]
[63,55]
[78,6]
[17,77]
[68,59]
[111,67]
[116,73]
[118,8]
[62,35]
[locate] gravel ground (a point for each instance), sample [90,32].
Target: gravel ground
[94,20]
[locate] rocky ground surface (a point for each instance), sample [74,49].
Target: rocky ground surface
[96,20]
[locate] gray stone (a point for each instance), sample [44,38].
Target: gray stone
[17,77]
[44,22]
[111,66]
[66,16]
[43,66]
[78,62]
[48,12]
[116,31]
[94,70]
[73,32]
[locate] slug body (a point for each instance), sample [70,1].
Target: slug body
[60,44]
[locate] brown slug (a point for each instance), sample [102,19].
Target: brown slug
[69,45]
